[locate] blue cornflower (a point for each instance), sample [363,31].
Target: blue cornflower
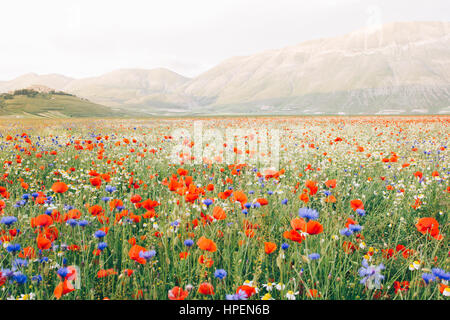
[308,213]
[355,227]
[241,295]
[26,196]
[220,273]
[102,245]
[440,273]
[245,211]
[371,275]
[285,246]
[326,192]
[99,234]
[188,242]
[427,277]
[256,205]
[361,212]
[37,278]
[314,256]
[110,189]
[43,260]
[147,255]
[13,247]
[19,277]
[7,272]
[248,205]
[62,272]
[284,201]
[207,202]
[83,223]
[19,204]
[106,199]
[346,232]
[18,262]
[270,193]
[8,220]
[72,222]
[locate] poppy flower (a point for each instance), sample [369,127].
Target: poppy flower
[136,198]
[207,262]
[219,213]
[262,201]
[206,244]
[401,286]
[240,196]
[429,226]
[43,243]
[59,187]
[310,227]
[312,186]
[96,182]
[95,210]
[269,247]
[134,254]
[177,293]
[183,255]
[27,252]
[314,227]
[304,197]
[63,288]
[331,183]
[294,236]
[206,289]
[357,204]
[42,220]
[248,290]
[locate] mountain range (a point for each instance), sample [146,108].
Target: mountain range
[398,68]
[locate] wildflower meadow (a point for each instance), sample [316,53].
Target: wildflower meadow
[284,208]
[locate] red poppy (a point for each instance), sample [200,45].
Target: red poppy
[269,247]
[429,226]
[206,244]
[248,290]
[177,293]
[357,204]
[63,288]
[59,187]
[219,213]
[206,289]
[134,254]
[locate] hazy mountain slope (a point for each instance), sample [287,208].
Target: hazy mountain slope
[126,86]
[401,65]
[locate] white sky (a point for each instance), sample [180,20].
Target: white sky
[88,38]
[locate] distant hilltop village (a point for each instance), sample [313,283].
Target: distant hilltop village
[36,87]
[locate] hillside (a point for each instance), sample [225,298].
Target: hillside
[128,86]
[28,103]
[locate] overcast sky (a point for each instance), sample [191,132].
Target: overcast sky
[88,38]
